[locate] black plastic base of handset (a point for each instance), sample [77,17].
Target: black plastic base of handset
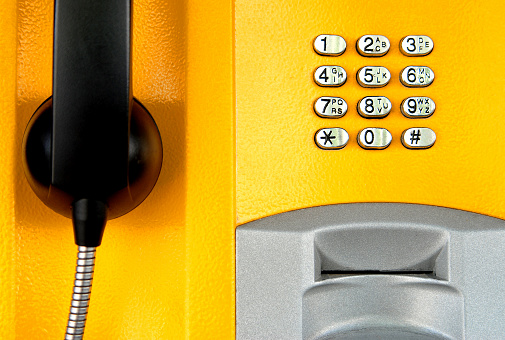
[144,163]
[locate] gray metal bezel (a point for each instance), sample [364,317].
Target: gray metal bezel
[281,293]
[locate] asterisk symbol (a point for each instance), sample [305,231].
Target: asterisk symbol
[327,137]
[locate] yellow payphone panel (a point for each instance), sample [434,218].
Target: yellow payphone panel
[280,168]
[231,85]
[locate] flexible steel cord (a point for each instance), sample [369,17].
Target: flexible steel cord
[81,293]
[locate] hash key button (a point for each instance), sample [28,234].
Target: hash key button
[418,138]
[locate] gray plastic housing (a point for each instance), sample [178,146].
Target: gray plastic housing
[371,271]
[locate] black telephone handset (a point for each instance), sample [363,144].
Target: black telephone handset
[91,152]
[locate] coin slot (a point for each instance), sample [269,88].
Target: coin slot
[381,250]
[335,274]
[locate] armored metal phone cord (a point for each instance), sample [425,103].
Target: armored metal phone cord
[81,294]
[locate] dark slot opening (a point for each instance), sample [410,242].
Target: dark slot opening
[333,274]
[376,272]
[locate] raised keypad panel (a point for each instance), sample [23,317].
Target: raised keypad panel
[329,45]
[416,45]
[371,45]
[378,107]
[330,75]
[330,107]
[373,76]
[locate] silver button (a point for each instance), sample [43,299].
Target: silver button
[373,45]
[330,76]
[416,45]
[330,107]
[374,138]
[330,45]
[331,138]
[417,76]
[418,138]
[373,76]
[417,107]
[374,107]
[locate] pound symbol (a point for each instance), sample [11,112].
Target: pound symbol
[415,137]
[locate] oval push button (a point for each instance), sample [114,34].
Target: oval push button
[417,76]
[418,138]
[329,45]
[330,107]
[416,45]
[373,76]
[331,138]
[374,107]
[417,107]
[374,138]
[371,45]
[330,76]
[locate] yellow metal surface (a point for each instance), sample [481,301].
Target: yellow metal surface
[7,170]
[279,168]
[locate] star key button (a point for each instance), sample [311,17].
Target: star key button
[331,138]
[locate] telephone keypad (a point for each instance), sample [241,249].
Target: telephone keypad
[416,45]
[373,76]
[417,107]
[417,76]
[329,45]
[418,138]
[371,45]
[331,138]
[330,75]
[374,107]
[374,138]
[330,107]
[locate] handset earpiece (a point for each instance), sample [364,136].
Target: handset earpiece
[143,166]
[91,152]
[91,140]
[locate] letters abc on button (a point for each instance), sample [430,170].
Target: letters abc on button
[373,45]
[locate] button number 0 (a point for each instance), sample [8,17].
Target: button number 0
[369,137]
